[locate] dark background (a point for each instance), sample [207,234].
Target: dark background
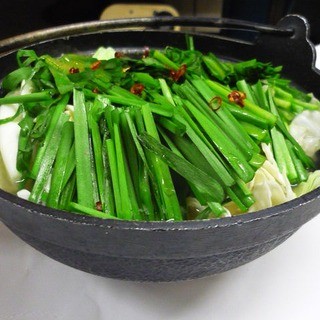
[20,16]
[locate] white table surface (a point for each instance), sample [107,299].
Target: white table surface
[283,284]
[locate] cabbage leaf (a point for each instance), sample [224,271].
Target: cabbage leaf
[305,129]
[269,186]
[312,183]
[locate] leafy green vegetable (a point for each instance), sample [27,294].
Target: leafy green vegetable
[205,183]
[125,137]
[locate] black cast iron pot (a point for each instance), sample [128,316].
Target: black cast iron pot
[165,251]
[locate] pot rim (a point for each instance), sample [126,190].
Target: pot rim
[65,216]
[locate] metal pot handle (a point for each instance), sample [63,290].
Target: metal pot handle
[30,38]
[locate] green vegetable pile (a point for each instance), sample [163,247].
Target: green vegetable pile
[132,137]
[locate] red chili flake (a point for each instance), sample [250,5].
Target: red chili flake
[95,65]
[137,88]
[99,206]
[73,70]
[118,54]
[177,74]
[215,103]
[237,97]
[95,90]
[146,52]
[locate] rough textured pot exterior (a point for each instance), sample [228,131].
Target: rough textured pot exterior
[164,251]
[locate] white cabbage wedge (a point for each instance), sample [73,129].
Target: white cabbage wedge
[269,186]
[9,138]
[305,129]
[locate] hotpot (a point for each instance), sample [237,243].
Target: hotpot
[165,250]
